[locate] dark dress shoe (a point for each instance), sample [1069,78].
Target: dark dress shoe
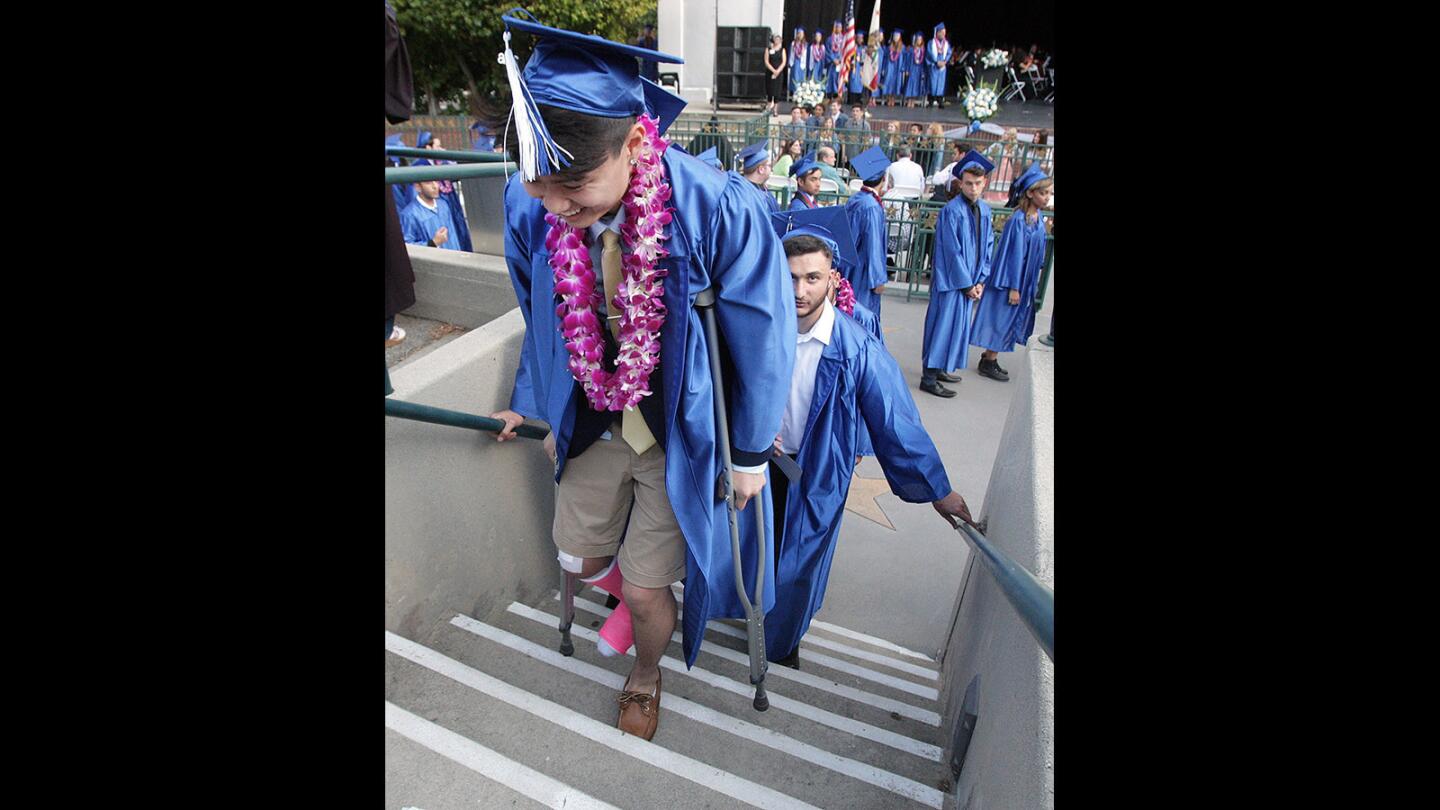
[991,369]
[938,390]
[943,377]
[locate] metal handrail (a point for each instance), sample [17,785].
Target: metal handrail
[445,416]
[1032,600]
[445,154]
[456,171]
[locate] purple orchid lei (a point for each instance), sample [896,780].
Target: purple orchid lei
[845,297]
[639,297]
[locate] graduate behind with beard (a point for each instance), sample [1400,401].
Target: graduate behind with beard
[844,384]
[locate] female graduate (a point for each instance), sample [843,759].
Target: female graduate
[834,51]
[609,237]
[799,60]
[1006,314]
[892,68]
[916,77]
[818,52]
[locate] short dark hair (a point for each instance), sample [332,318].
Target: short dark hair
[590,139]
[802,245]
[973,169]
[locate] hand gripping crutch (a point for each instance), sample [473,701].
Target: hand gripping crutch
[754,613]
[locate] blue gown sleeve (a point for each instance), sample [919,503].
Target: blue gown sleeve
[517,257]
[951,272]
[755,312]
[872,244]
[905,451]
[413,228]
[1006,270]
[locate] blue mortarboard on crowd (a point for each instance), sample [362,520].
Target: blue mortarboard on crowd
[753,155]
[576,72]
[423,139]
[973,158]
[938,28]
[828,224]
[804,165]
[871,164]
[395,140]
[897,33]
[709,156]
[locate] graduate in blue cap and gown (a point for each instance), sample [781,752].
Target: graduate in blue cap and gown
[867,222]
[845,384]
[404,193]
[629,399]
[430,220]
[448,190]
[892,67]
[806,172]
[755,168]
[818,58]
[834,56]
[1006,314]
[963,236]
[937,56]
[917,79]
[799,60]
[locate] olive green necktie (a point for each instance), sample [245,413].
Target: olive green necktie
[632,425]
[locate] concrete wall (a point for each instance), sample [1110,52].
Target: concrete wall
[686,28]
[1010,761]
[467,289]
[467,520]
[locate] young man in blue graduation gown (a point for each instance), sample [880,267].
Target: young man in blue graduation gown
[844,384]
[755,168]
[867,221]
[938,53]
[429,220]
[404,193]
[1006,314]
[448,192]
[581,150]
[963,235]
[806,172]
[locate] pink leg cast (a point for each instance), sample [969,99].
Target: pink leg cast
[617,634]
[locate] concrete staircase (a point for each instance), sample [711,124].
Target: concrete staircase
[489,714]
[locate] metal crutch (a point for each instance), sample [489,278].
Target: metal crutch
[754,613]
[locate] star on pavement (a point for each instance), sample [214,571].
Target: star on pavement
[861,499]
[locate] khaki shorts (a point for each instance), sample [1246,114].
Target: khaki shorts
[592,508]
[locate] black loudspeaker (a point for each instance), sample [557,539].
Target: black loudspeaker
[740,63]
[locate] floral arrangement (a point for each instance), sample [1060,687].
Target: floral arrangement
[995,58]
[809,93]
[981,102]
[639,298]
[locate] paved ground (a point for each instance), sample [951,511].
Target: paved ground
[421,336]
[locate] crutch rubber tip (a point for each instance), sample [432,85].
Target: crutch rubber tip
[567,648]
[761,701]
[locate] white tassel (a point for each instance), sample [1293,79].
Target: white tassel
[526,115]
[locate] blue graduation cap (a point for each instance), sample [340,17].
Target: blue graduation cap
[1028,178]
[973,158]
[576,72]
[753,155]
[800,30]
[709,156]
[937,28]
[871,164]
[897,33]
[422,139]
[804,165]
[394,140]
[828,224]
[661,103]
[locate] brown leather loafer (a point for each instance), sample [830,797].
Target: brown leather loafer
[640,712]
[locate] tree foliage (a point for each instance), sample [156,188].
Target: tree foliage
[453,44]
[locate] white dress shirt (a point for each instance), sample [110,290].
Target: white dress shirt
[808,348]
[906,172]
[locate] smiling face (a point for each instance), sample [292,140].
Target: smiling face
[583,200]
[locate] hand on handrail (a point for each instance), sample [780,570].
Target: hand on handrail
[512,420]
[952,506]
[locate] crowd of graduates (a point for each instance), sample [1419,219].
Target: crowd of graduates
[614,237]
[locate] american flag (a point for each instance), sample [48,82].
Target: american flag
[847,47]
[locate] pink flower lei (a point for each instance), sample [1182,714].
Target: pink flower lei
[845,297]
[639,297]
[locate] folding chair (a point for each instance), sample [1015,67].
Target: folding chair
[1014,88]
